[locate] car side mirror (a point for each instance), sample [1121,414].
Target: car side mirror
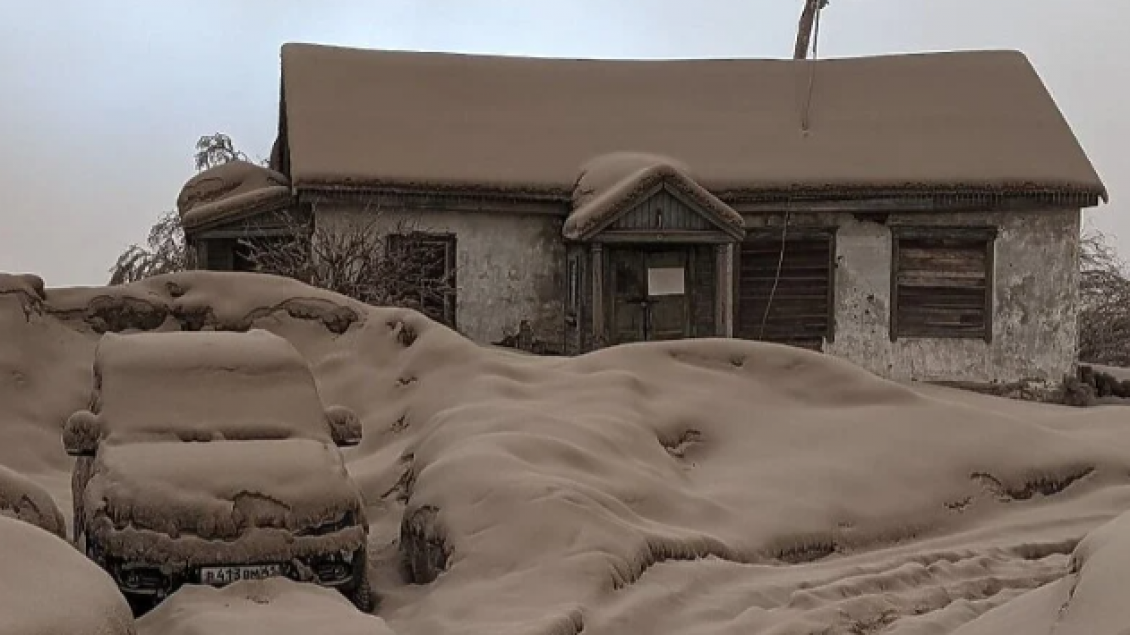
[345,427]
[81,433]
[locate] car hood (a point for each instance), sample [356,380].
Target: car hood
[220,490]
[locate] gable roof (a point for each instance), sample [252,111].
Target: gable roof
[979,121]
[604,207]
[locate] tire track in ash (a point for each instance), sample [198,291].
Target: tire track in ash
[871,593]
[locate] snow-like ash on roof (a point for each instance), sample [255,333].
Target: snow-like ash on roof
[604,172]
[610,184]
[979,120]
[193,386]
[231,189]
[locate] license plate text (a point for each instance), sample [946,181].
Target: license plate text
[227,575]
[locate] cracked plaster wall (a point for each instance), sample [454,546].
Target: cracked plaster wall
[509,268]
[1035,299]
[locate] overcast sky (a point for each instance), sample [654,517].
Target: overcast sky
[102,100]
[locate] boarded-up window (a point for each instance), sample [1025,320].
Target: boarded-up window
[786,288]
[942,283]
[425,267]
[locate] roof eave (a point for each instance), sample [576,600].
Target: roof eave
[1083,196]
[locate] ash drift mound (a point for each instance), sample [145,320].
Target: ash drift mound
[703,486]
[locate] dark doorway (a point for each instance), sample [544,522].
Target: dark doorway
[650,294]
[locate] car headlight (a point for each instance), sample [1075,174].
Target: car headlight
[347,520]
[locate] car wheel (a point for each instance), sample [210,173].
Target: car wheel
[361,592]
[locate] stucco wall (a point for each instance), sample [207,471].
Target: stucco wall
[509,267]
[1035,299]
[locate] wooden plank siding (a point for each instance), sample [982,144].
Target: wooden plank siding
[794,305]
[662,210]
[942,283]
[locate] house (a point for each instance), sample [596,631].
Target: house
[916,214]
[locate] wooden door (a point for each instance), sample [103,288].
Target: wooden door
[667,295]
[628,273]
[649,295]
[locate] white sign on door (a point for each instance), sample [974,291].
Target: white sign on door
[666,281]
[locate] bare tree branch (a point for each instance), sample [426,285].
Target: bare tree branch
[164,252]
[1104,303]
[805,28]
[357,257]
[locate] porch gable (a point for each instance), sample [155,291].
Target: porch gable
[656,204]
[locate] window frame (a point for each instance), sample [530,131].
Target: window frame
[827,233]
[448,240]
[986,234]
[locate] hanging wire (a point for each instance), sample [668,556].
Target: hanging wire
[780,266]
[789,202]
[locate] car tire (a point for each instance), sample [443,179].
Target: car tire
[361,592]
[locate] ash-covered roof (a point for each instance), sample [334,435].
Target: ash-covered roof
[979,121]
[610,185]
[229,190]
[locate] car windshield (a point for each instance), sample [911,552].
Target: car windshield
[209,394]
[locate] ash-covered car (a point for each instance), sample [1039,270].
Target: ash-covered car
[208,458]
[23,499]
[46,587]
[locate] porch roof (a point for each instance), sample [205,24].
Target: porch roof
[231,190]
[612,185]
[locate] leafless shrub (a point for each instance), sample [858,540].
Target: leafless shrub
[164,252]
[1104,303]
[358,257]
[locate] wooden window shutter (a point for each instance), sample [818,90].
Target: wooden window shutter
[795,307]
[942,283]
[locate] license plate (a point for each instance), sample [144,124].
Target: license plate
[227,575]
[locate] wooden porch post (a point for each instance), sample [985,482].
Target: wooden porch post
[724,293]
[201,255]
[598,334]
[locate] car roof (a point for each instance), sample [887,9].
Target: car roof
[206,385]
[255,350]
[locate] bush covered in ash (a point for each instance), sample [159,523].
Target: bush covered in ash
[1104,303]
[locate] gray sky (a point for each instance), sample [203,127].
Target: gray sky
[103,99]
